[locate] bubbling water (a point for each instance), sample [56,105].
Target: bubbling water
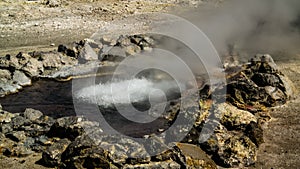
[126,92]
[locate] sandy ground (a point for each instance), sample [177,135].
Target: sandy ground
[32,25]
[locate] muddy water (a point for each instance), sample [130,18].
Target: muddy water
[55,99]
[52,98]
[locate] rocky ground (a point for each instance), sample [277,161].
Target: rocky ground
[28,139]
[62,22]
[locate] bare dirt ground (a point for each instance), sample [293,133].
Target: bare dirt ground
[282,134]
[26,25]
[33,25]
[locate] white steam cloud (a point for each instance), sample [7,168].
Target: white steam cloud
[251,26]
[125,92]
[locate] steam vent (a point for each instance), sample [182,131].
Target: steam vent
[131,84]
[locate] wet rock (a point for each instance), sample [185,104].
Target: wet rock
[32,114]
[21,79]
[70,127]
[52,155]
[45,121]
[16,136]
[8,88]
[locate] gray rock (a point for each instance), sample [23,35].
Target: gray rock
[32,114]
[33,67]
[21,79]
[8,88]
[90,50]
[51,60]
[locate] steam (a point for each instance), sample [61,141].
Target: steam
[247,27]
[125,92]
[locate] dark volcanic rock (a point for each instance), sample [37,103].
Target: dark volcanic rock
[258,84]
[16,136]
[103,151]
[19,121]
[255,133]
[70,127]
[18,150]
[230,149]
[52,155]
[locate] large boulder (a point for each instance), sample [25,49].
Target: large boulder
[258,84]
[103,151]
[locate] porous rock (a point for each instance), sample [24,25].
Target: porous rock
[52,155]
